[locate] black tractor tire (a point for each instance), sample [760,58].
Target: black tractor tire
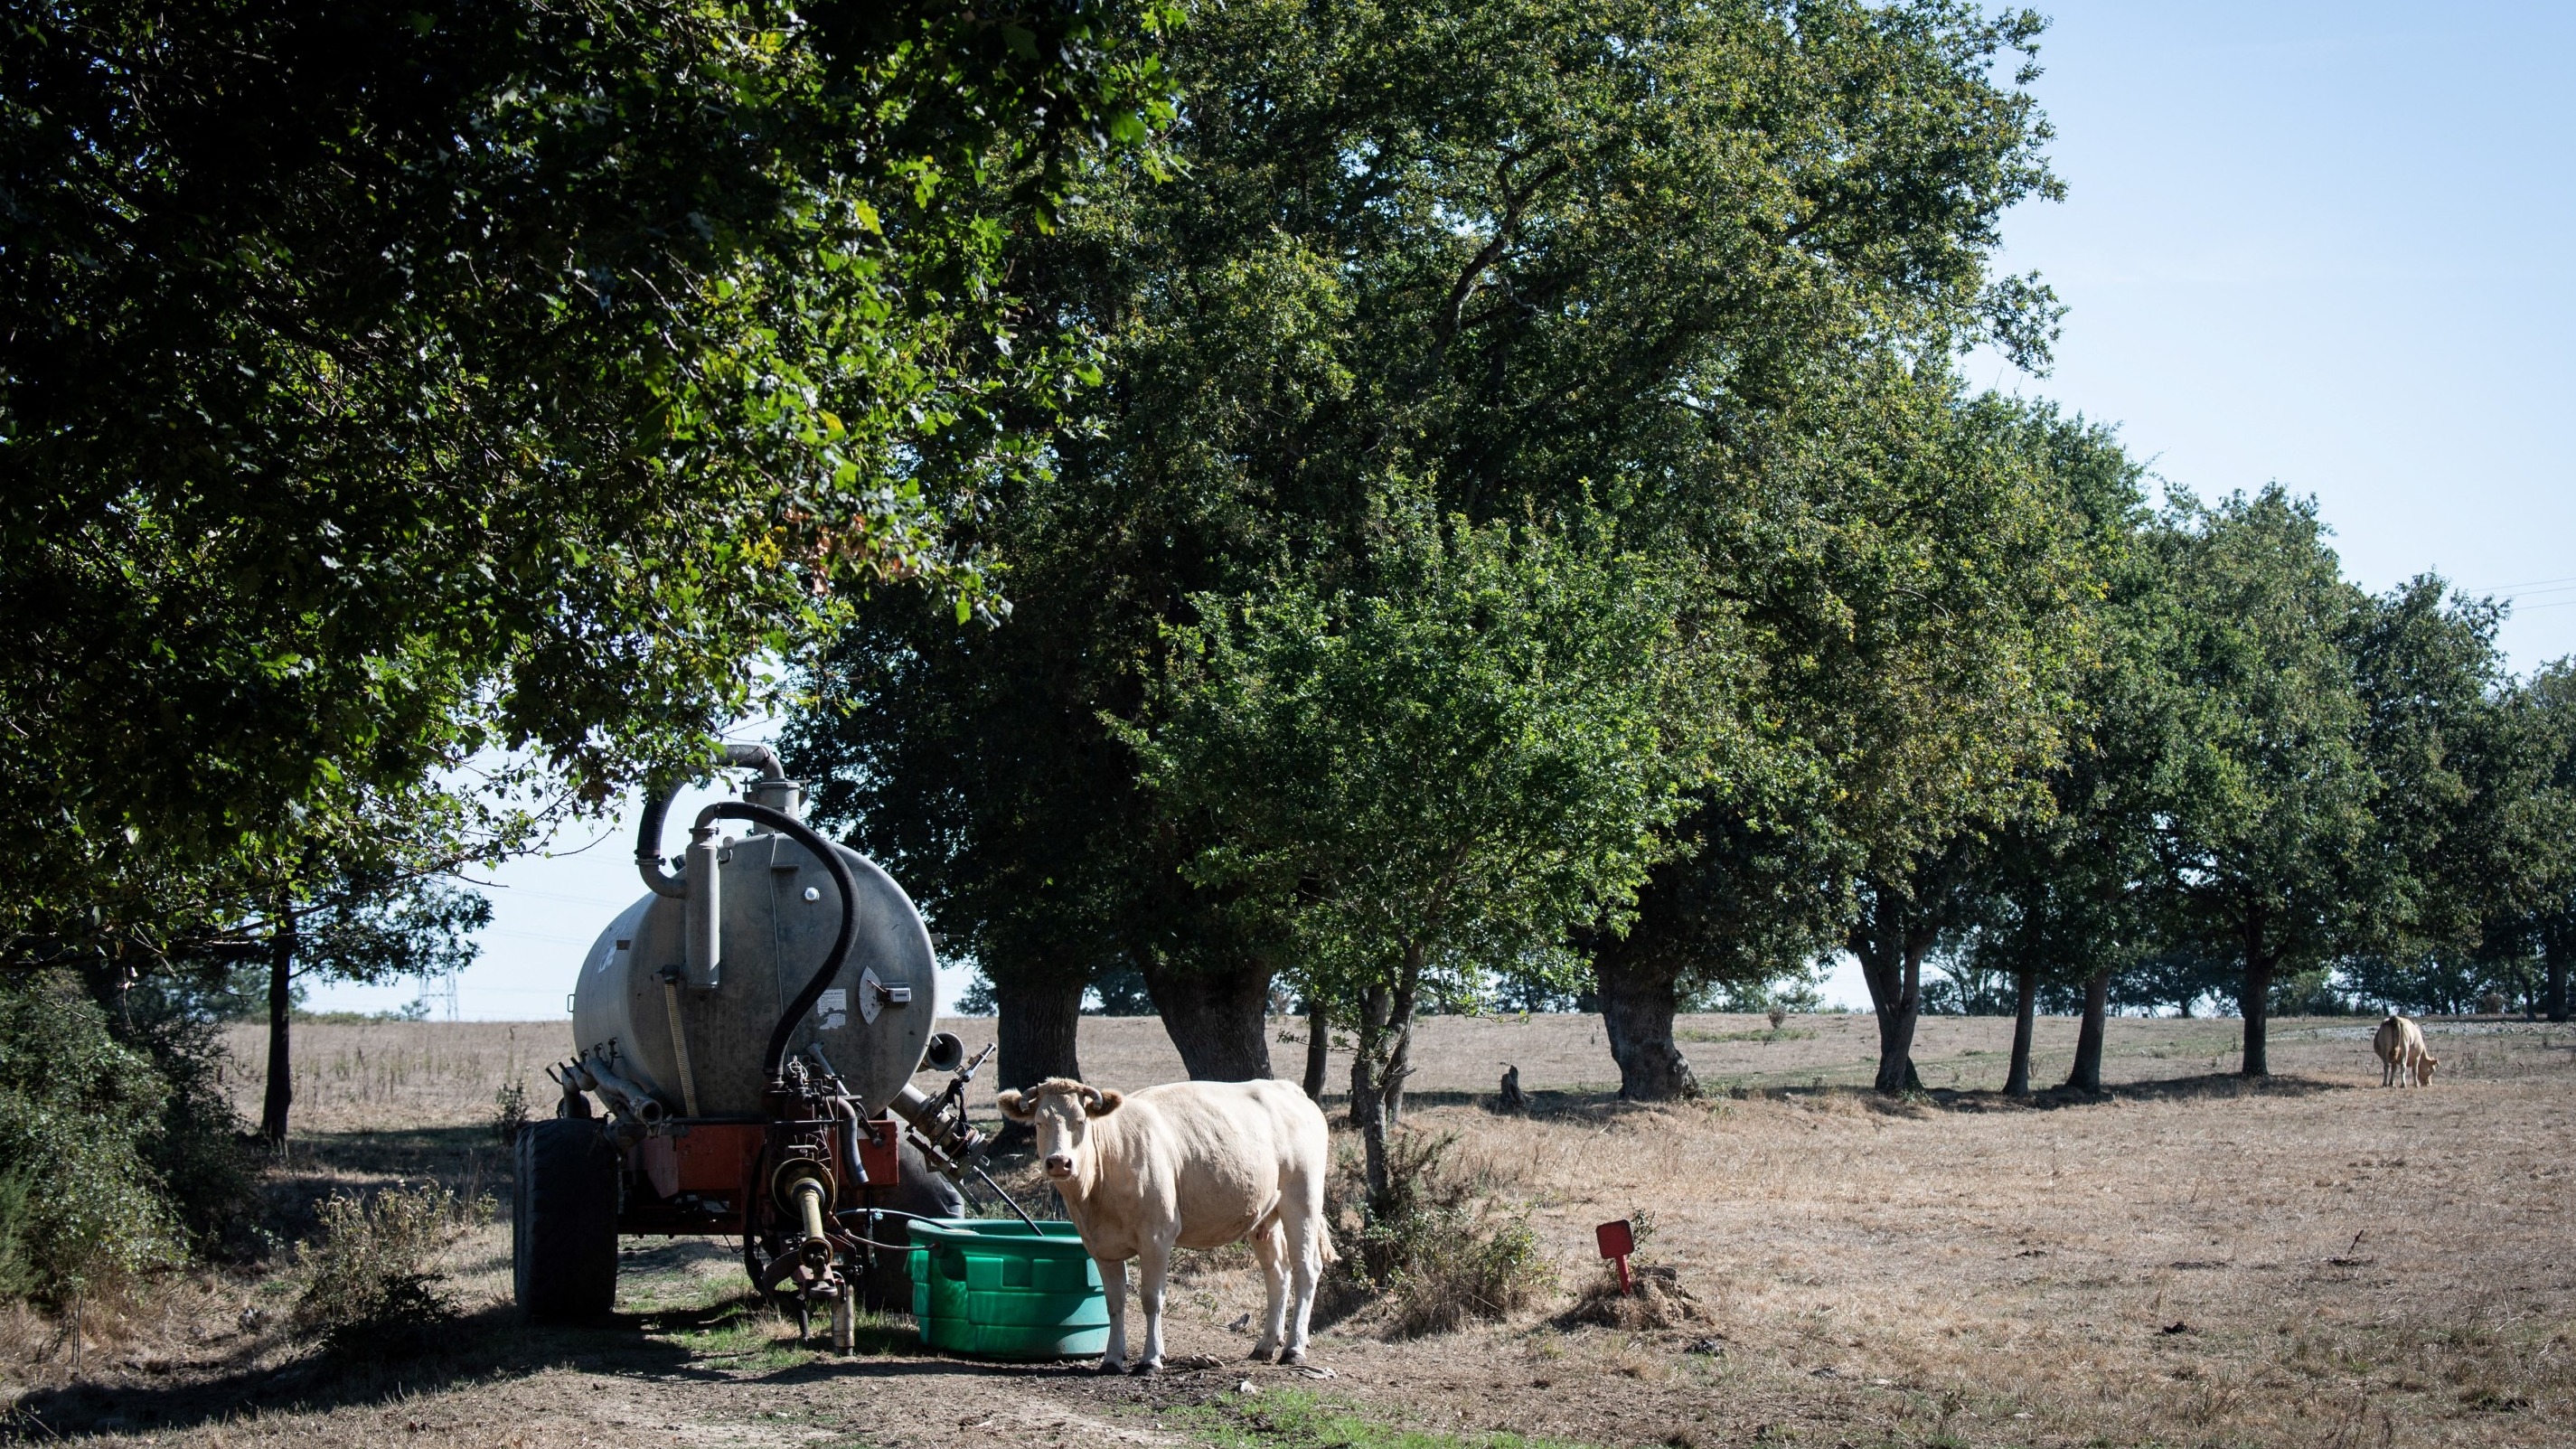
[563,1221]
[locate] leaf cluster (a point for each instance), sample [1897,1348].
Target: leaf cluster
[383,384]
[1460,768]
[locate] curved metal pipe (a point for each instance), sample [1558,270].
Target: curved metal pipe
[848,1113]
[635,1099]
[773,1064]
[659,878]
[761,755]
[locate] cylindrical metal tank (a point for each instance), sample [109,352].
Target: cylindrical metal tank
[778,913]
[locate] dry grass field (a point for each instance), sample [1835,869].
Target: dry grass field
[2186,1261]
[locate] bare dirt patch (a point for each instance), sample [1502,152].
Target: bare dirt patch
[2190,1260]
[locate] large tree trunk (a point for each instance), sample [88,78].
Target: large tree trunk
[281,1007]
[1037,1036]
[2087,1073]
[1896,1048]
[1637,1005]
[1039,1028]
[2025,1017]
[1319,1047]
[2255,1000]
[2555,948]
[1218,1016]
[1891,962]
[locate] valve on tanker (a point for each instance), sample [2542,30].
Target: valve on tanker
[948,1141]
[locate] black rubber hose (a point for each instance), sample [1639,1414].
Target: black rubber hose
[648,842]
[774,1065]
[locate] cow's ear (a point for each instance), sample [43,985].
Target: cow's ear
[1100,1104]
[1010,1104]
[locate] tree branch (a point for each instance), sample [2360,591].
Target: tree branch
[1445,329]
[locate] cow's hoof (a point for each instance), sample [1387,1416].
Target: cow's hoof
[1293,1357]
[1149,1366]
[1110,1366]
[1261,1353]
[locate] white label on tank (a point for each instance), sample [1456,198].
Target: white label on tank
[869,993]
[834,1009]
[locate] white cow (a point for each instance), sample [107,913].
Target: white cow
[2403,1059]
[1191,1165]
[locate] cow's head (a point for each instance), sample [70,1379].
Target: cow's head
[1061,1110]
[2424,1066]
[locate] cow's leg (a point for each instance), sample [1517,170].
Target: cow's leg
[1270,1245]
[1113,1286]
[1153,1264]
[1303,1225]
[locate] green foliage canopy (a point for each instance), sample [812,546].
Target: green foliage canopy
[1453,772]
[380,383]
[1524,260]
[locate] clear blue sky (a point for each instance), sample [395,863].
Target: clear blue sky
[2323,244]
[2329,245]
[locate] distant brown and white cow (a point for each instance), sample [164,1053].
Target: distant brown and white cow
[2403,1061]
[1190,1165]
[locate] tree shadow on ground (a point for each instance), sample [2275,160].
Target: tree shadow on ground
[2203,1087]
[1601,1108]
[480,1348]
[494,1343]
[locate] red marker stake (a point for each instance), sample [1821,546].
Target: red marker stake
[1617,1241]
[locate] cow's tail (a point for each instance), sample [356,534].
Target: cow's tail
[1324,1240]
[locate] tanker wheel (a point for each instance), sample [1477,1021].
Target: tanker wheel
[563,1240]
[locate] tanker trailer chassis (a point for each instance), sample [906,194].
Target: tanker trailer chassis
[811,1177]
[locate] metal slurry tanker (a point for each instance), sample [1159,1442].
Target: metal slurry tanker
[750,1030]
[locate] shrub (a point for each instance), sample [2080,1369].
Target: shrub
[509,1111]
[1461,1267]
[369,1288]
[206,1175]
[1439,1251]
[80,1206]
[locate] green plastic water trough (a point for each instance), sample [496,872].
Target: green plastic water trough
[994,1289]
